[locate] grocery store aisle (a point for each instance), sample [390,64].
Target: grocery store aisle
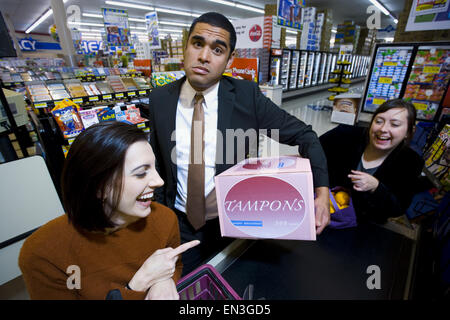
[313,109]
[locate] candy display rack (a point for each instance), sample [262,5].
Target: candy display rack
[341,78]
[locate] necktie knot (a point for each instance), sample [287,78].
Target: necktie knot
[198,98]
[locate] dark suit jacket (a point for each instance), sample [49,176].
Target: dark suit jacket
[398,174]
[241,106]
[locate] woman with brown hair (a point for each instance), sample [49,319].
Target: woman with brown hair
[376,164]
[113,241]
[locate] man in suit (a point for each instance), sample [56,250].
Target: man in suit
[223,104]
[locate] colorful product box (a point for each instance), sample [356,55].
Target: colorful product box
[267,198]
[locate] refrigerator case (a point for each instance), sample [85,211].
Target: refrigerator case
[309,68]
[428,80]
[285,64]
[387,75]
[293,76]
[275,70]
[323,65]
[316,69]
[302,69]
[328,68]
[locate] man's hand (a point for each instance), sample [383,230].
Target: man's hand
[322,208]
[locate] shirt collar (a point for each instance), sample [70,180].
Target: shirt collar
[210,95]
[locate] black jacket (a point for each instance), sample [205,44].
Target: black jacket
[241,105]
[398,174]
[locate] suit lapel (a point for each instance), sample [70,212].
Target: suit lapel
[168,120]
[226,98]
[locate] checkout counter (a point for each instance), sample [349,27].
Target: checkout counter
[339,265]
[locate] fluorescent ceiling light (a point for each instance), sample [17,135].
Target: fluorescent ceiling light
[238,5]
[333,31]
[180,24]
[291,31]
[227,3]
[138,6]
[170,30]
[245,7]
[90,30]
[92,15]
[139,28]
[181,13]
[136,19]
[39,21]
[86,23]
[44,17]
[380,6]
[129,5]
[395,20]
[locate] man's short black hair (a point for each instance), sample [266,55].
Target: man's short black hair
[217,20]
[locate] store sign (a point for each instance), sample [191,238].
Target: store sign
[243,68]
[249,33]
[30,44]
[90,47]
[255,33]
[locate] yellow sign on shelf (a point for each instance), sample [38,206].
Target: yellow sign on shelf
[107,96]
[386,80]
[420,106]
[95,98]
[390,64]
[431,69]
[78,100]
[119,95]
[378,101]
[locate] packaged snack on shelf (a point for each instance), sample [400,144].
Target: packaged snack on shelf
[131,115]
[75,88]
[66,115]
[88,117]
[116,84]
[129,84]
[103,87]
[105,114]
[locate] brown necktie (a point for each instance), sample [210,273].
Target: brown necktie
[195,203]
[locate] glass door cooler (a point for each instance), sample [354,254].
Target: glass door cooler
[309,68]
[302,69]
[275,66]
[293,74]
[285,64]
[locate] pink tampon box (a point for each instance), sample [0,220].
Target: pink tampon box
[267,198]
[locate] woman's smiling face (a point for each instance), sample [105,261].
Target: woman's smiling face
[389,129]
[139,180]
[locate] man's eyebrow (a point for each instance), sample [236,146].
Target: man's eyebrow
[219,42]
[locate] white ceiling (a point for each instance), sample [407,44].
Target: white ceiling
[24,12]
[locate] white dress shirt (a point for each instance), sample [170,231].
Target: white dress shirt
[185,111]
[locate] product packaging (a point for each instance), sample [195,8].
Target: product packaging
[66,115]
[269,198]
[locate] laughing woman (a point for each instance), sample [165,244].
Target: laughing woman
[376,164]
[113,242]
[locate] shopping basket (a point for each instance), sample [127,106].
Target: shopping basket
[205,283]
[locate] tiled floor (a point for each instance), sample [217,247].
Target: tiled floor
[309,109]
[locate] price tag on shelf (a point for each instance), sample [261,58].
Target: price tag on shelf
[40,105]
[389,63]
[431,69]
[107,97]
[78,100]
[420,106]
[71,140]
[141,125]
[143,92]
[131,94]
[378,101]
[119,95]
[386,80]
[94,98]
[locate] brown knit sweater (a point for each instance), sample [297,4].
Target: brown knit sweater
[106,261]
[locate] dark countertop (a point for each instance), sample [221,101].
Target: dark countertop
[333,267]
